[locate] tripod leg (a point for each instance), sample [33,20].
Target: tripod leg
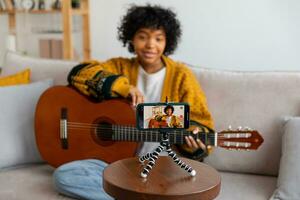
[179,162]
[152,157]
[145,157]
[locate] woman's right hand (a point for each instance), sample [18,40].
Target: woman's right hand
[135,95]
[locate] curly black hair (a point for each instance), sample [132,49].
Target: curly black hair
[148,16]
[168,107]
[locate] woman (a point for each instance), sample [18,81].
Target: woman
[151,33]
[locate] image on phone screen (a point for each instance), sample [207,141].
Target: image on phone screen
[162,116]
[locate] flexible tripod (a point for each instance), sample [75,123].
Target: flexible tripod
[164,146]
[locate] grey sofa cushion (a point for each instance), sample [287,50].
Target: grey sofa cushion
[17,108]
[254,99]
[246,186]
[289,172]
[28,183]
[41,69]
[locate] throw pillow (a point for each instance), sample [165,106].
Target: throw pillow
[289,171]
[17,108]
[22,77]
[41,69]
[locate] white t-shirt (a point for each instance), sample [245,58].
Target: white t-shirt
[151,86]
[168,119]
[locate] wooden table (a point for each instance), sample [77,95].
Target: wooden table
[166,180]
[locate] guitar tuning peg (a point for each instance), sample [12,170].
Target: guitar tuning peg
[239,128]
[248,128]
[229,128]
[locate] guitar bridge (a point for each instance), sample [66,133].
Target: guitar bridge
[64,128]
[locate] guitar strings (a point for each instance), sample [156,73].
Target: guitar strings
[78,125]
[110,126]
[126,127]
[135,132]
[138,135]
[131,128]
[83,126]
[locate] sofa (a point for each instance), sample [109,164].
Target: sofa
[264,101]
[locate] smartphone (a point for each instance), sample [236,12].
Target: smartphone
[162,116]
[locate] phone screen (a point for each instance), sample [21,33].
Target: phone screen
[163,116]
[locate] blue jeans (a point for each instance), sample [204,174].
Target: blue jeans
[81,179]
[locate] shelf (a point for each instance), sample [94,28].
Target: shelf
[66,12]
[73,11]
[79,12]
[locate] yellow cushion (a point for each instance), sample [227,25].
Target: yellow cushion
[22,77]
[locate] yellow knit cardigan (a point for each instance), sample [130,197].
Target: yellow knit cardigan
[180,84]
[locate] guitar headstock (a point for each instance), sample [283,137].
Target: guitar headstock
[240,139]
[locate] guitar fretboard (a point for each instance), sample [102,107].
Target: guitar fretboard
[127,133]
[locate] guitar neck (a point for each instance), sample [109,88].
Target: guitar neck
[127,133]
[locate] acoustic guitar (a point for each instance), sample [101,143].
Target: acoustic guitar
[69,126]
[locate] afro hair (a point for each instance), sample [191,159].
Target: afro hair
[154,17]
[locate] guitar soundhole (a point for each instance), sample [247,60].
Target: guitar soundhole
[102,133]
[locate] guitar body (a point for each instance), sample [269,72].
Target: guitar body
[83,142]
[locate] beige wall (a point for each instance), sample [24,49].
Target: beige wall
[231,34]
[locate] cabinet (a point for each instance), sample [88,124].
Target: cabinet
[66,13]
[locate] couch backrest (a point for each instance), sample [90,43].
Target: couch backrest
[40,68]
[258,100]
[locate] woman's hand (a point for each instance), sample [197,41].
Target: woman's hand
[194,144]
[135,95]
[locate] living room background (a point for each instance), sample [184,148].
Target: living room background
[240,35]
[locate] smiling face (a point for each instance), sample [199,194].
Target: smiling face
[169,111]
[149,45]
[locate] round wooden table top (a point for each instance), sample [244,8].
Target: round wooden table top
[166,180]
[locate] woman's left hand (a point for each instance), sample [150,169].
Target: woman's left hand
[194,144]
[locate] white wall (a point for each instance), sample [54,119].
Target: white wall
[222,34]
[3,35]
[231,34]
